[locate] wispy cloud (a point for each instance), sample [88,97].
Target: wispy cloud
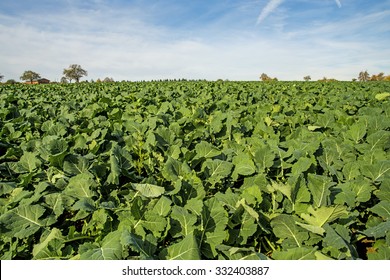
[129,43]
[268,9]
[338,2]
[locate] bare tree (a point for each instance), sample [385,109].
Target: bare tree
[108,80]
[364,76]
[307,78]
[74,72]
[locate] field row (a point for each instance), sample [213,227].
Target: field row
[195,170]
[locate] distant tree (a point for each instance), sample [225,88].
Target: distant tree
[379,77]
[30,76]
[307,78]
[64,80]
[1,77]
[265,77]
[364,76]
[74,72]
[108,80]
[11,81]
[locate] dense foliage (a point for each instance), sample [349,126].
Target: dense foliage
[195,170]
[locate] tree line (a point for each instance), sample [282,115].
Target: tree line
[73,73]
[363,76]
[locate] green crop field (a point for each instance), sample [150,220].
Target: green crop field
[195,170]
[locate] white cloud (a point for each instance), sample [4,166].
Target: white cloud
[338,2]
[268,9]
[119,44]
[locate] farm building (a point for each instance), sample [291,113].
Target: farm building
[39,81]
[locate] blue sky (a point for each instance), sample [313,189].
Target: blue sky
[199,39]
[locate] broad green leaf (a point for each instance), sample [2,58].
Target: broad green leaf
[284,227]
[54,150]
[7,187]
[81,185]
[239,253]
[302,165]
[165,137]
[313,127]
[57,147]
[56,129]
[194,205]
[326,120]
[80,142]
[110,248]
[244,164]
[248,209]
[206,150]
[185,219]
[252,194]
[247,219]
[215,170]
[379,140]
[163,206]
[23,221]
[351,171]
[174,151]
[97,223]
[381,253]
[50,245]
[174,169]
[357,131]
[379,230]
[186,249]
[217,119]
[320,216]
[133,127]
[300,194]
[324,214]
[228,199]
[120,163]
[85,204]
[28,163]
[299,253]
[384,190]
[264,158]
[74,164]
[155,223]
[382,209]
[17,195]
[149,190]
[285,189]
[382,96]
[321,257]
[329,159]
[319,187]
[376,171]
[337,242]
[354,192]
[214,221]
[58,202]
[146,247]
